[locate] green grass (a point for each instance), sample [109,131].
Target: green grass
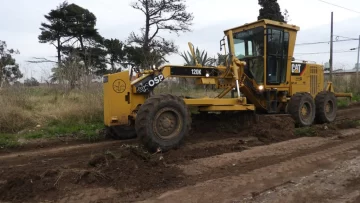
[342,103]
[356,98]
[8,141]
[85,131]
[305,132]
[88,131]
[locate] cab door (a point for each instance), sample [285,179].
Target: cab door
[276,55]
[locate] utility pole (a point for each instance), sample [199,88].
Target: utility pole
[357,66]
[331,46]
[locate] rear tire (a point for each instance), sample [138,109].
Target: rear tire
[302,108]
[162,122]
[326,107]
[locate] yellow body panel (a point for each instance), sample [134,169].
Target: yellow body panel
[307,78]
[261,23]
[119,101]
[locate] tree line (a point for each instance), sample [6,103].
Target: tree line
[81,50]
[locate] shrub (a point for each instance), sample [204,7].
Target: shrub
[31,82]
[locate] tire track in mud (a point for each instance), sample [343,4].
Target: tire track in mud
[278,151]
[203,165]
[233,188]
[336,184]
[348,113]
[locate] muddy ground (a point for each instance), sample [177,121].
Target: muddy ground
[231,162]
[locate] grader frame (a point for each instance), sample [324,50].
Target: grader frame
[259,67]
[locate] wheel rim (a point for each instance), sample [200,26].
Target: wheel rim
[329,107]
[305,111]
[167,123]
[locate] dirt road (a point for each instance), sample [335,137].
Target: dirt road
[267,164]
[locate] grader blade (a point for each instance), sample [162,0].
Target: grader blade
[223,122]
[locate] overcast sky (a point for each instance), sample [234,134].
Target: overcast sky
[20,22]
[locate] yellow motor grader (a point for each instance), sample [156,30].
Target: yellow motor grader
[259,66]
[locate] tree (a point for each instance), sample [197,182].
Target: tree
[55,31]
[286,16]
[71,29]
[134,56]
[9,69]
[221,59]
[115,50]
[69,72]
[202,58]
[160,15]
[270,10]
[357,65]
[31,82]
[80,25]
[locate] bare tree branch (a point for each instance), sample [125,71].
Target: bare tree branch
[41,60]
[136,6]
[160,15]
[52,43]
[67,40]
[155,33]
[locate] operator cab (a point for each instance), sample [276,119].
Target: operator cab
[267,48]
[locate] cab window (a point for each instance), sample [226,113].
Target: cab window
[277,55]
[249,47]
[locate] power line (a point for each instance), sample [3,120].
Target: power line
[312,43]
[339,6]
[335,52]
[337,37]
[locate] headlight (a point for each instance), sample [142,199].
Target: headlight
[207,75]
[261,87]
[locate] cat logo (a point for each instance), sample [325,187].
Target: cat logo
[296,68]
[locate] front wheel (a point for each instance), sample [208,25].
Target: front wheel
[302,108]
[162,122]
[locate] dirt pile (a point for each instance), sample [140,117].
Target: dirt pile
[127,169]
[272,128]
[27,185]
[267,128]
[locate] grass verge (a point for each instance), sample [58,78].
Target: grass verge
[343,103]
[28,113]
[90,132]
[305,132]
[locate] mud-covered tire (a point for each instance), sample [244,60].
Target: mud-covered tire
[120,132]
[302,108]
[326,107]
[162,122]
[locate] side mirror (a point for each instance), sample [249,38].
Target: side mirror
[222,43]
